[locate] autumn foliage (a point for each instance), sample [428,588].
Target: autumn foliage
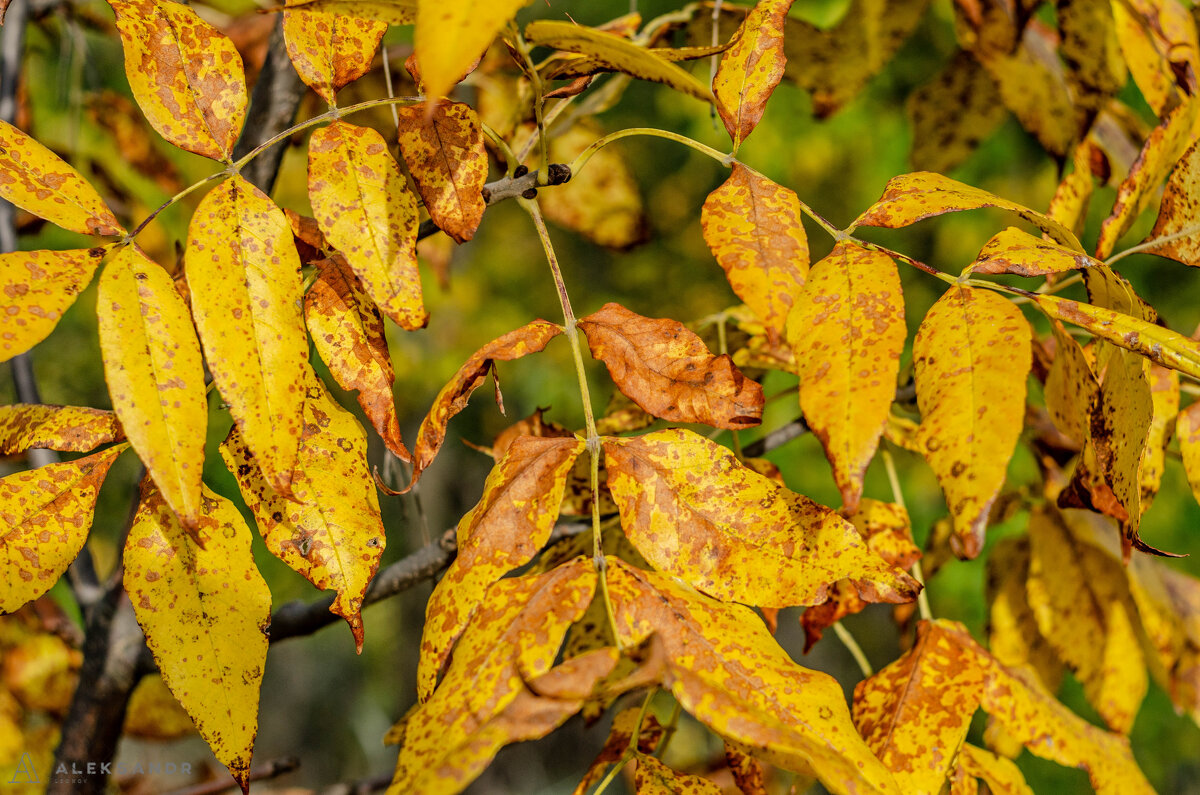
[635,556]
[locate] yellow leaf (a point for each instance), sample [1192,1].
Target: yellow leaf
[1164,395]
[616,52]
[727,671]
[206,612]
[1071,386]
[1070,202]
[1187,428]
[393,12]
[1020,253]
[154,714]
[530,338]
[847,331]
[1013,635]
[155,375]
[186,76]
[511,522]
[443,148]
[41,671]
[348,333]
[75,429]
[620,735]
[1032,86]
[971,358]
[367,212]
[652,777]
[244,275]
[1091,52]
[512,640]
[329,530]
[45,515]
[1178,211]
[1157,37]
[328,50]
[694,511]
[668,371]
[755,231]
[1163,148]
[35,179]
[914,197]
[751,69]
[1002,776]
[36,288]
[451,35]
[1075,593]
[952,114]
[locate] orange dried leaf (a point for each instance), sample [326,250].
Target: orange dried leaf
[652,777]
[453,397]
[330,530]
[347,331]
[155,375]
[45,515]
[914,197]
[206,612]
[186,76]
[751,69]
[366,211]
[755,231]
[244,275]
[511,522]
[847,331]
[693,510]
[971,358]
[328,50]
[668,371]
[75,429]
[36,288]
[512,640]
[1020,253]
[443,147]
[727,671]
[1180,211]
[35,179]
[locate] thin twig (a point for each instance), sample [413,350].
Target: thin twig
[272,769]
[855,650]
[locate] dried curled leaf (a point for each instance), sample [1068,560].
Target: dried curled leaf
[693,510]
[847,331]
[186,76]
[75,429]
[511,522]
[36,288]
[668,371]
[330,51]
[754,229]
[155,375]
[751,69]
[453,397]
[35,179]
[244,274]
[45,516]
[971,358]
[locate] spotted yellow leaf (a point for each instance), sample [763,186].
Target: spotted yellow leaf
[751,68]
[1022,254]
[443,147]
[328,50]
[36,288]
[76,429]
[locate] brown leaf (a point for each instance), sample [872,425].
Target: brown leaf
[667,370]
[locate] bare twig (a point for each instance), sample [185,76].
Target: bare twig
[508,188]
[272,769]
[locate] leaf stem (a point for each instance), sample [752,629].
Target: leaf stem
[539,100]
[889,464]
[174,199]
[855,650]
[586,155]
[1187,231]
[510,159]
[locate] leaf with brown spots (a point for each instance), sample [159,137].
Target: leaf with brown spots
[694,511]
[847,331]
[755,231]
[450,35]
[328,50]
[1022,254]
[971,358]
[1158,40]
[45,515]
[493,681]
[915,713]
[1187,428]
[1164,396]
[443,148]
[668,371]
[453,397]
[620,734]
[1091,52]
[1069,204]
[347,331]
[953,113]
[1076,595]
[1002,776]
[1180,211]
[652,777]
[751,69]
[365,209]
[186,76]
[244,275]
[1071,386]
[75,429]
[35,179]
[914,197]
[36,288]
[727,671]
[393,12]
[330,530]
[155,375]
[511,522]
[615,52]
[206,612]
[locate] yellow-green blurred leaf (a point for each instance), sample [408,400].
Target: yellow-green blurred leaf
[42,672]
[328,50]
[1187,428]
[751,69]
[952,114]
[36,287]
[154,714]
[76,429]
[1013,635]
[1164,395]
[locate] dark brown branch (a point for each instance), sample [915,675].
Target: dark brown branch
[269,770]
[520,184]
[273,104]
